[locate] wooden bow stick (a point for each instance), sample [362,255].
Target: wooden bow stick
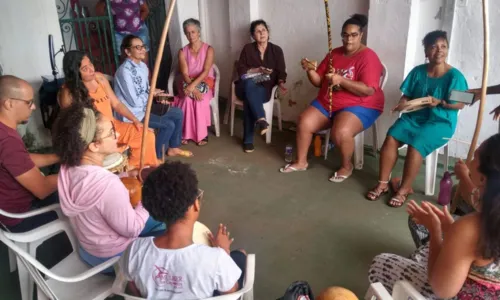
[152,88]
[482,103]
[330,58]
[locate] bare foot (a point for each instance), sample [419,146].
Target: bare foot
[179,152]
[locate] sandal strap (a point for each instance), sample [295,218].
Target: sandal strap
[384,182]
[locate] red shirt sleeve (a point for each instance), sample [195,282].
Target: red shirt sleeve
[15,158]
[370,70]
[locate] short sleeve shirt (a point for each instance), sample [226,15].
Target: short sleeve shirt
[126,15]
[365,67]
[14,161]
[193,272]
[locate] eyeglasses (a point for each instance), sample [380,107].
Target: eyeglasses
[345,35]
[112,133]
[139,47]
[200,195]
[28,102]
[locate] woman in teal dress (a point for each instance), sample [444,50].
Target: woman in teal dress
[424,130]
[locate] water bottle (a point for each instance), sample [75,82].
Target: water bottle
[445,187]
[288,153]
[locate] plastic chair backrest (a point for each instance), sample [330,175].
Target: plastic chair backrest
[376,291]
[403,290]
[34,267]
[174,72]
[384,76]
[121,282]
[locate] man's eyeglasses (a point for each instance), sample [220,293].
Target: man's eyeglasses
[28,102]
[346,35]
[139,47]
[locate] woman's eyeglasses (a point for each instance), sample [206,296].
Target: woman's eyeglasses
[346,35]
[139,47]
[28,102]
[112,133]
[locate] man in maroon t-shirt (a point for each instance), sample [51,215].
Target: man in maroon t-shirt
[21,182]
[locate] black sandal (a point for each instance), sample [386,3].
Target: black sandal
[203,142]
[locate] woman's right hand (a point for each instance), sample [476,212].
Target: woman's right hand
[307,65]
[399,107]
[197,95]
[222,239]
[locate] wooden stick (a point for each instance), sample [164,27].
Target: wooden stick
[330,57]
[152,88]
[484,87]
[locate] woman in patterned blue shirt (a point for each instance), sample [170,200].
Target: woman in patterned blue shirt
[131,85]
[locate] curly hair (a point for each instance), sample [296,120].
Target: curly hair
[431,38]
[489,166]
[169,191]
[72,62]
[67,142]
[357,19]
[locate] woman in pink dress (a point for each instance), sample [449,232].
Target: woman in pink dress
[195,85]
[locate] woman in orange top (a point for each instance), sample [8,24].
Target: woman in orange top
[92,89]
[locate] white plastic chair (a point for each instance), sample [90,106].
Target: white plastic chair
[245,293]
[431,162]
[268,108]
[71,278]
[214,103]
[402,290]
[25,281]
[359,139]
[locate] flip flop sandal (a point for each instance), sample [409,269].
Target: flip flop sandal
[398,199]
[376,193]
[289,169]
[339,178]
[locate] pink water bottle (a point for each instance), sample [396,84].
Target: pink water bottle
[445,187]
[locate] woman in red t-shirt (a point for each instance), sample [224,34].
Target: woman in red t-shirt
[357,99]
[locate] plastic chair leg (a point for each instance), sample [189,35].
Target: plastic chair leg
[12,261]
[269,119]
[446,158]
[278,110]
[216,119]
[375,139]
[233,108]
[430,172]
[359,150]
[327,142]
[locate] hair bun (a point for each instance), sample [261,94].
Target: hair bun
[362,20]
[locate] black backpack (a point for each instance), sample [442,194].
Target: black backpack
[299,290]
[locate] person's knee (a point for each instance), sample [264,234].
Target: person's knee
[175,113]
[305,123]
[390,143]
[339,135]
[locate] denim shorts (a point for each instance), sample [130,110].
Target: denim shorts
[367,116]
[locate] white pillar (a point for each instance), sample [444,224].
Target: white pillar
[184,9]
[388,26]
[241,14]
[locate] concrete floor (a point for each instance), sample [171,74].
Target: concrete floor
[300,226]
